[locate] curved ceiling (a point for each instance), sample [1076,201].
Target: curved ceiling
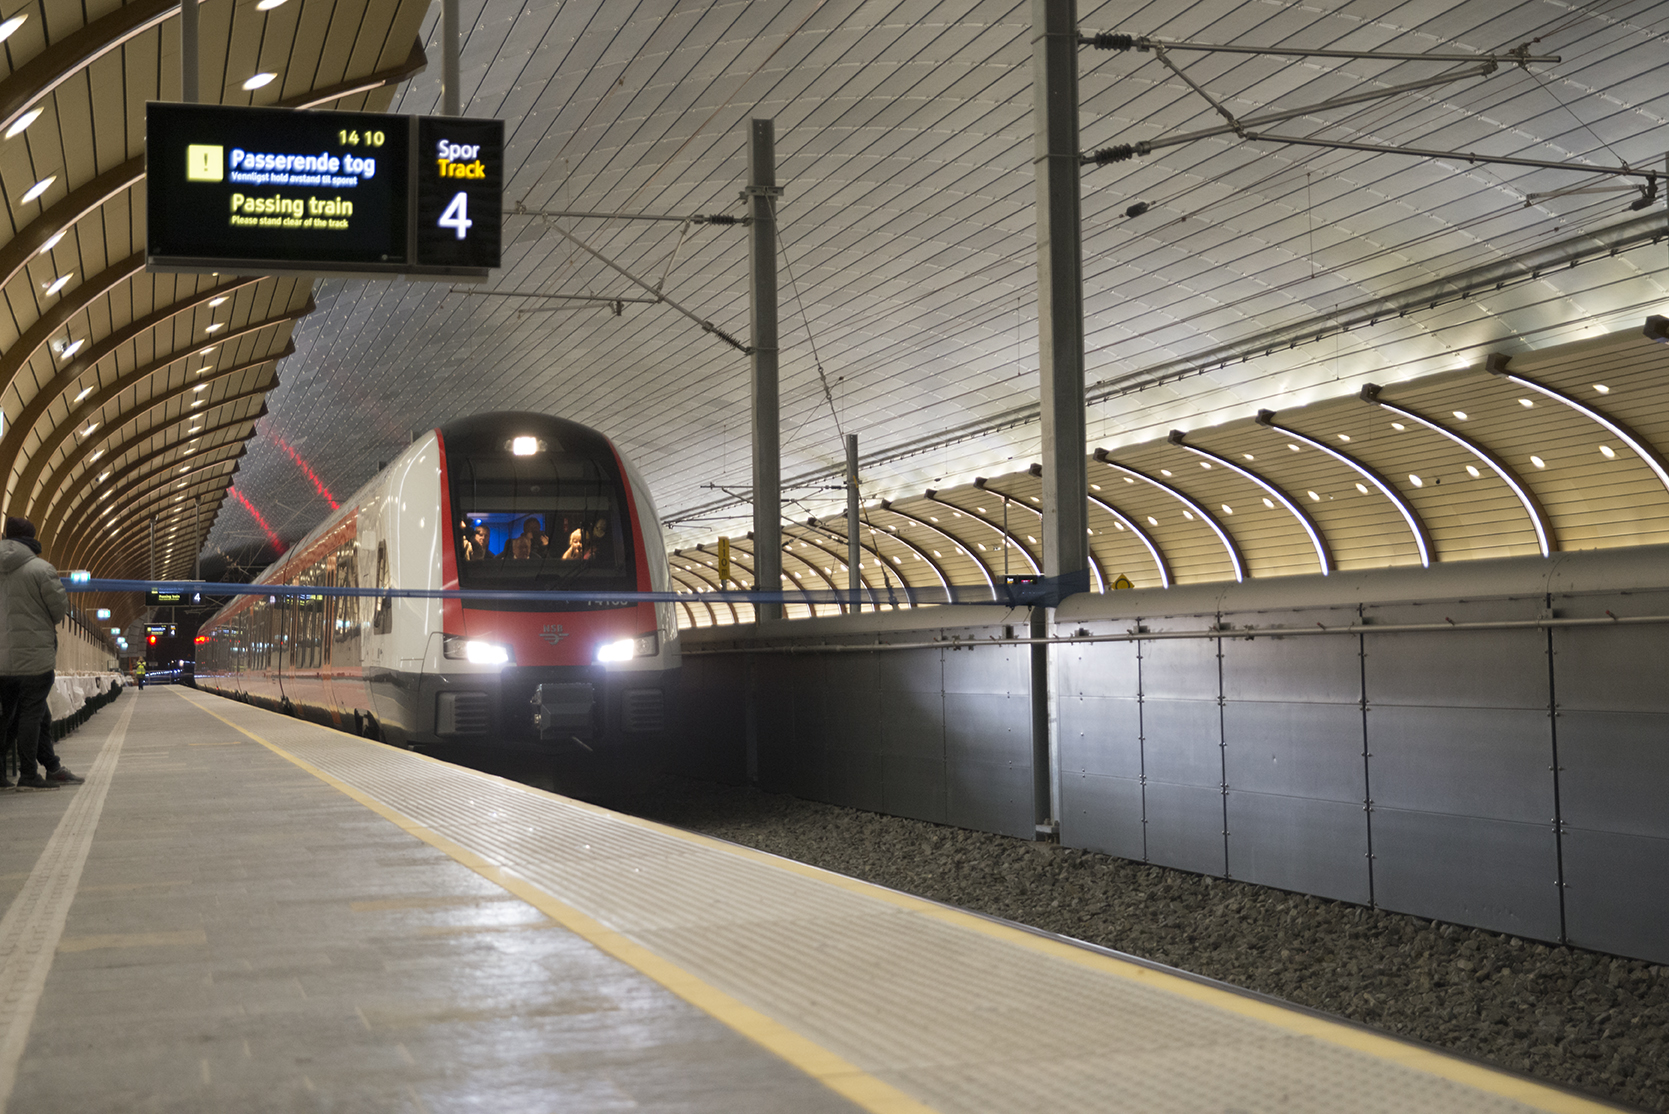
[1258,275]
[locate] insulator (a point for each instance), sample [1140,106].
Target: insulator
[722,218]
[1137,209]
[1108,40]
[1122,153]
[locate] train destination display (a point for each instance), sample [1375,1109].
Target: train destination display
[277,191]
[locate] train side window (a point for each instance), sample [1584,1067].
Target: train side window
[382,621]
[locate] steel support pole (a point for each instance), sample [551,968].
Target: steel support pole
[1060,294]
[449,58]
[854,553]
[188,52]
[1060,350]
[761,196]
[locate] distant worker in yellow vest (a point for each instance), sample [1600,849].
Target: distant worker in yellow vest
[139,673]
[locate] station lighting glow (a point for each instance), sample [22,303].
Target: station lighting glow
[25,120]
[524,446]
[39,188]
[259,80]
[53,241]
[72,348]
[58,283]
[84,393]
[8,28]
[220,301]
[215,327]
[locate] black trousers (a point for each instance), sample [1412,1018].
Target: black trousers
[23,703]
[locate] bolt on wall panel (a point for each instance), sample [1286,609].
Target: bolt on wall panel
[991,797]
[1493,874]
[1103,814]
[1295,750]
[1180,669]
[1472,762]
[1318,668]
[1106,669]
[921,671]
[1294,843]
[1457,669]
[1617,893]
[990,668]
[1185,827]
[1099,736]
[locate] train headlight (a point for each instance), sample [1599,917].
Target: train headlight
[643,646]
[474,650]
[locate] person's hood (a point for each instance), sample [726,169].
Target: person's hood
[14,554]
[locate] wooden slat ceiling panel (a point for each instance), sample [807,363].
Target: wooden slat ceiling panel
[1195,553]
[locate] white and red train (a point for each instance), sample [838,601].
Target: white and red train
[505,502]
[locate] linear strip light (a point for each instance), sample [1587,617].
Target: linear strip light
[1141,535]
[1200,512]
[1323,557]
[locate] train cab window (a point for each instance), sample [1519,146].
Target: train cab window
[553,521]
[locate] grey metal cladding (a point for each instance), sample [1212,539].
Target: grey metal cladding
[1185,827]
[1182,669]
[1617,893]
[913,671]
[1293,843]
[988,669]
[1479,762]
[1597,668]
[1490,873]
[914,786]
[852,719]
[1458,669]
[1614,772]
[1100,736]
[991,797]
[852,672]
[913,725]
[982,727]
[851,777]
[1298,750]
[1096,669]
[1102,814]
[1308,668]
[1181,741]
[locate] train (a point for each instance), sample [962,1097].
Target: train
[504,502]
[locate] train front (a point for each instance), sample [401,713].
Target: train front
[539,504]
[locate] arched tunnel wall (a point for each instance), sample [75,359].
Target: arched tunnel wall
[1485,743]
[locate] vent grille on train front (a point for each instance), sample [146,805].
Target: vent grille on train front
[644,710]
[462,713]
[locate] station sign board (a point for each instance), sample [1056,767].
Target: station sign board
[279,191]
[156,597]
[160,628]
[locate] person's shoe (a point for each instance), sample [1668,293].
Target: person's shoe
[63,776]
[35,782]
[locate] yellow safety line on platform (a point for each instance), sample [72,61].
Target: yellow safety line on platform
[832,1071]
[1431,1061]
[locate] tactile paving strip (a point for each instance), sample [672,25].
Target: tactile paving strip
[960,1014]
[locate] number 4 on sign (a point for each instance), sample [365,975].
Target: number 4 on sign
[457,215]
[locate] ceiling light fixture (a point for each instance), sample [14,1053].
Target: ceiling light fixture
[38,188]
[1398,426]
[53,241]
[1607,452]
[71,348]
[57,284]
[220,301]
[1344,437]
[218,325]
[23,122]
[1471,470]
[11,25]
[1461,414]
[1600,387]
[1227,509]
[1538,462]
[1314,498]
[84,393]
[1526,403]
[258,80]
[1416,480]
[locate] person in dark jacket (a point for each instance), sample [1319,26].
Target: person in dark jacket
[32,603]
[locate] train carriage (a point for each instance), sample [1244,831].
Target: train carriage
[504,502]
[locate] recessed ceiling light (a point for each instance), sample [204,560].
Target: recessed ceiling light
[6,30]
[1461,414]
[201,387]
[1270,503]
[220,301]
[1205,464]
[1398,426]
[57,284]
[53,241]
[1526,403]
[259,80]
[1227,509]
[1151,521]
[1607,452]
[206,351]
[39,188]
[1344,437]
[90,427]
[1095,487]
[1189,515]
[216,326]
[1164,471]
[1248,456]
[1472,470]
[1415,480]
[96,455]
[72,348]
[1293,447]
[1363,488]
[1600,387]
[1538,462]
[1314,498]
[87,391]
[1120,525]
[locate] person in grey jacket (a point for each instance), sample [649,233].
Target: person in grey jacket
[32,603]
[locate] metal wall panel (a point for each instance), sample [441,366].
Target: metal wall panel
[1462,669]
[1102,814]
[1614,772]
[1182,742]
[1295,843]
[1310,669]
[1184,669]
[1597,668]
[1490,873]
[1617,893]
[1480,762]
[988,669]
[1185,827]
[988,752]
[1296,750]
[1097,669]
[1100,736]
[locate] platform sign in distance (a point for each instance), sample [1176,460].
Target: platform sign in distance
[267,191]
[724,561]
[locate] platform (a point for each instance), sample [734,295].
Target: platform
[242,911]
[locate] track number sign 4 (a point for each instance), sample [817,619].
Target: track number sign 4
[459,191]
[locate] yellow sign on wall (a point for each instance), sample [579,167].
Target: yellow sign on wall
[1122,582]
[724,561]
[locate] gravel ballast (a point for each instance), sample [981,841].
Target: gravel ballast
[1577,1018]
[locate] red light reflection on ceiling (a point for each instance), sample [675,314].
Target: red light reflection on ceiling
[306,468]
[259,521]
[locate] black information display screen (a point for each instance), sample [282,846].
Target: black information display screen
[460,175]
[276,191]
[256,185]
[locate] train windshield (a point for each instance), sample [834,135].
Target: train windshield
[549,521]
